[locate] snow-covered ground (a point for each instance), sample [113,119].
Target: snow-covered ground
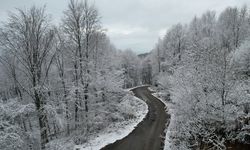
[118,130]
[129,89]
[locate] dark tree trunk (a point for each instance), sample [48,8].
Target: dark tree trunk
[43,124]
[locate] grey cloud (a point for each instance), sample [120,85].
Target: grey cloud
[135,24]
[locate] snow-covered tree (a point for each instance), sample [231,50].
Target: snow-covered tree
[204,82]
[28,38]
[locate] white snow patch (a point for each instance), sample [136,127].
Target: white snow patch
[129,89]
[151,90]
[167,145]
[118,130]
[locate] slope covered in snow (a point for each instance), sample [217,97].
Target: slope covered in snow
[116,131]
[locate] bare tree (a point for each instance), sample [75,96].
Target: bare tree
[80,23]
[29,37]
[60,65]
[10,64]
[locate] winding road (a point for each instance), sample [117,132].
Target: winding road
[149,134]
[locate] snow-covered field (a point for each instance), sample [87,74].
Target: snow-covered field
[118,130]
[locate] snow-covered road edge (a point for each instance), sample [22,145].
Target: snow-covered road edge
[130,89]
[167,145]
[117,134]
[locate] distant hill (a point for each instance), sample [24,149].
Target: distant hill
[143,55]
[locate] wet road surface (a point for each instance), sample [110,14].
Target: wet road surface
[149,134]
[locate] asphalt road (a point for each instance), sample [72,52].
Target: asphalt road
[149,134]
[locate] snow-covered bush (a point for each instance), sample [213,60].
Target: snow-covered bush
[13,128]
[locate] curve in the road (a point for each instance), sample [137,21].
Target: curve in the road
[149,134]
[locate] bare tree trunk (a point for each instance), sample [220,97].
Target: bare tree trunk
[43,124]
[67,107]
[158,59]
[24,125]
[30,125]
[76,96]
[60,67]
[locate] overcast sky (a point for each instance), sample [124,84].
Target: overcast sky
[135,24]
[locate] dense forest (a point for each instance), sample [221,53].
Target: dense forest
[205,68]
[61,84]
[59,81]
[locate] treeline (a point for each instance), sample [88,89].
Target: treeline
[205,66]
[59,81]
